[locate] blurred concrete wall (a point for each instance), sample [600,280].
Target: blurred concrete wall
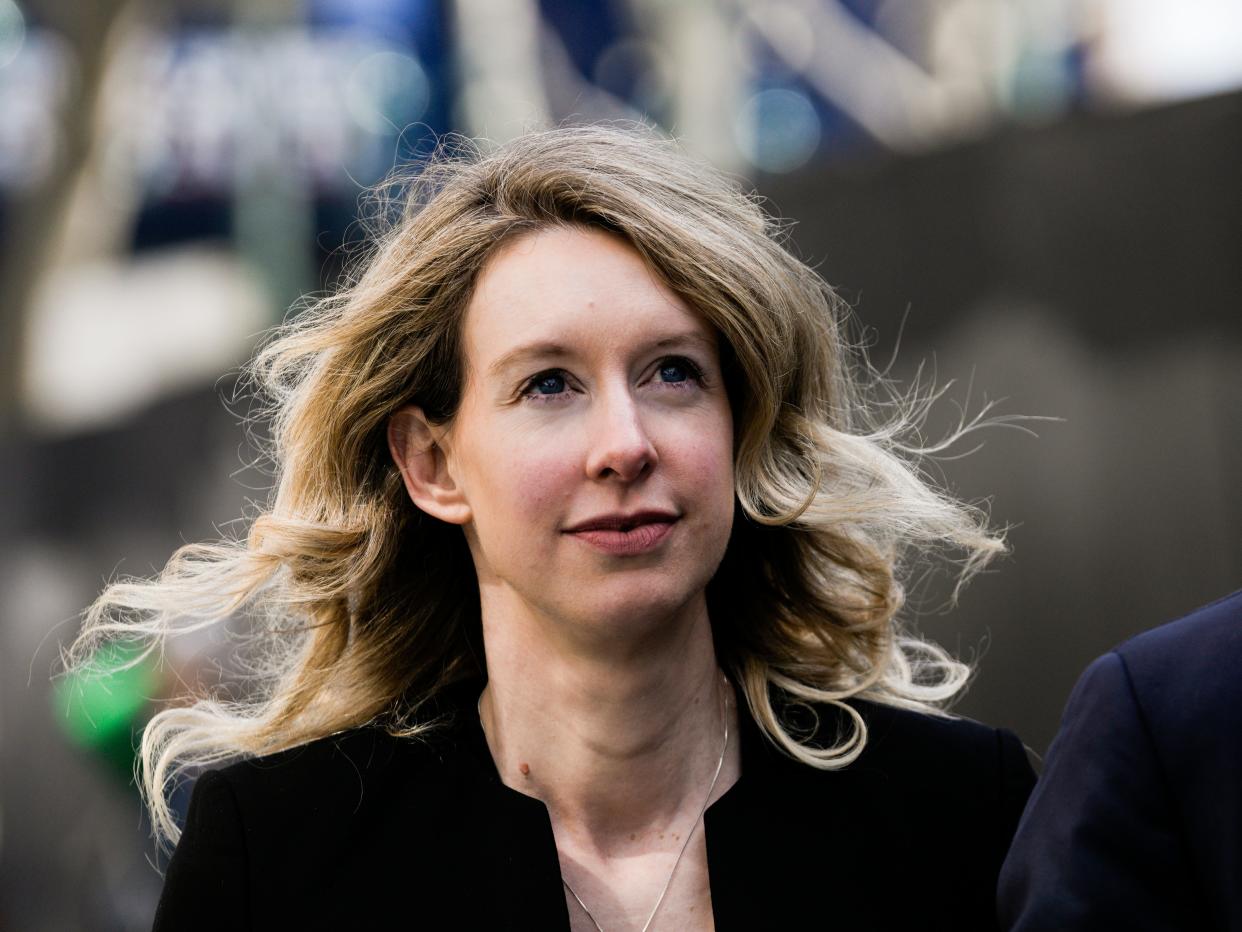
[1088,271]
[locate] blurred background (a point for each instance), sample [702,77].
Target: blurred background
[1040,197]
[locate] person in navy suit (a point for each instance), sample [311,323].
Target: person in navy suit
[1136,822]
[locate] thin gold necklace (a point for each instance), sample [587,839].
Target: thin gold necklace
[724,710]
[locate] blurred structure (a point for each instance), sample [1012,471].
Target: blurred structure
[1043,193]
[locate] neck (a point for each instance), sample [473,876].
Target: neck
[620,743]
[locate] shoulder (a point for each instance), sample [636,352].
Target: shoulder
[956,739]
[289,838]
[342,764]
[936,799]
[1207,635]
[1178,682]
[956,760]
[334,780]
[923,775]
[1133,785]
[336,762]
[1184,670]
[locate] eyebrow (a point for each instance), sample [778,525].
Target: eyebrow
[545,349]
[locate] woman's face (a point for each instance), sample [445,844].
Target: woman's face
[593,448]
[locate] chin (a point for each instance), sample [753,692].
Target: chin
[636,606]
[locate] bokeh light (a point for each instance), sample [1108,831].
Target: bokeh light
[386,91]
[1163,50]
[12,31]
[636,70]
[778,130]
[33,87]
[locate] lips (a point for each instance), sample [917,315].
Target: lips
[625,535]
[623,522]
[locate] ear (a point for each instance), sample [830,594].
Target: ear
[416,448]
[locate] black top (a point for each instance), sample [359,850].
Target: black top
[345,831]
[1137,822]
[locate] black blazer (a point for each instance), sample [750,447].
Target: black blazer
[340,833]
[1137,819]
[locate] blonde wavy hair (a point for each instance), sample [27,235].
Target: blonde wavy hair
[361,607]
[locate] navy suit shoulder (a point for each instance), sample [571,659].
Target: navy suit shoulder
[1137,819]
[1188,669]
[1188,689]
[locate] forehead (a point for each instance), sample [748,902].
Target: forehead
[572,286]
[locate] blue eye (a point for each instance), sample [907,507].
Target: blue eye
[549,384]
[674,372]
[677,370]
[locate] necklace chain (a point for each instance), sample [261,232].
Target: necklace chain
[685,844]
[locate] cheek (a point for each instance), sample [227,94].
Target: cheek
[545,484]
[716,445]
[711,461]
[520,483]
[705,459]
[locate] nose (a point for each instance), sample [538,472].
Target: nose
[620,446]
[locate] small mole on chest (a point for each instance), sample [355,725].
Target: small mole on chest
[525,768]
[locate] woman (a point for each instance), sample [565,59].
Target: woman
[578,590]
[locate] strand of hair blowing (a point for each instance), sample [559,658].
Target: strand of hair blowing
[361,608]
